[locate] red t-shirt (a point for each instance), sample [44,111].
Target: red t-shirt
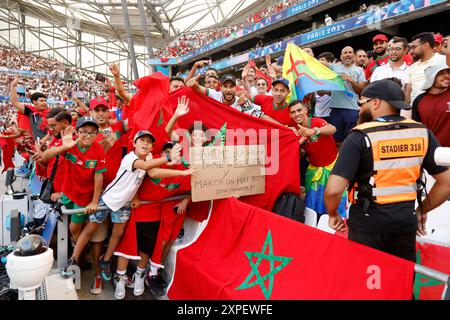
[269,108]
[147,212]
[59,174]
[114,154]
[408,59]
[434,111]
[79,169]
[323,151]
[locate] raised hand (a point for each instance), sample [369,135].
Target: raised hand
[115,70]
[183,106]
[175,154]
[202,63]
[193,82]
[15,82]
[67,139]
[245,71]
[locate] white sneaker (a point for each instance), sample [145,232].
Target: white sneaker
[120,282]
[138,280]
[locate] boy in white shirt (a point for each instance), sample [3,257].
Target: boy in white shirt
[124,187]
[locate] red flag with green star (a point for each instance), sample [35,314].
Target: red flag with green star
[435,257]
[231,127]
[150,108]
[247,253]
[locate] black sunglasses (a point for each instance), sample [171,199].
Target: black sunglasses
[361,102]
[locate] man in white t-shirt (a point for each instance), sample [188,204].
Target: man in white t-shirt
[423,48]
[123,188]
[396,67]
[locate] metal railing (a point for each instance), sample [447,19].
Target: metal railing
[63,226]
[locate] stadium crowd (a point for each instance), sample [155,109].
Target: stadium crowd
[185,43]
[188,42]
[98,163]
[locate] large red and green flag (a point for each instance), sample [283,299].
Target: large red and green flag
[247,253]
[150,108]
[237,128]
[437,258]
[306,74]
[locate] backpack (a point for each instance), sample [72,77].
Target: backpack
[290,206]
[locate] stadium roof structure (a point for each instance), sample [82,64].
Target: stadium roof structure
[165,21]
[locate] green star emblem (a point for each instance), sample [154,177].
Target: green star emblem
[255,272]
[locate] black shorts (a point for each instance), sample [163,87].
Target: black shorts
[146,233]
[402,245]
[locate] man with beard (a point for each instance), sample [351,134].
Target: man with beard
[382,160]
[361,58]
[396,67]
[344,108]
[318,143]
[380,45]
[432,108]
[228,97]
[275,105]
[423,48]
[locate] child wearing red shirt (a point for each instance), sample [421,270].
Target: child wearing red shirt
[83,178]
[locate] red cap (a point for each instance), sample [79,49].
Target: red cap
[438,38]
[380,37]
[99,101]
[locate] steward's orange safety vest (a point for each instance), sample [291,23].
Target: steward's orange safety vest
[398,150]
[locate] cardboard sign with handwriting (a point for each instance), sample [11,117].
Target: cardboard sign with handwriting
[227,171]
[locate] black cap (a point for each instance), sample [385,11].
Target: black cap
[85,121]
[168,145]
[142,133]
[228,77]
[388,91]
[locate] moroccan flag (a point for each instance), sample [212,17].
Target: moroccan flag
[435,257]
[237,128]
[306,74]
[23,122]
[8,147]
[150,108]
[247,253]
